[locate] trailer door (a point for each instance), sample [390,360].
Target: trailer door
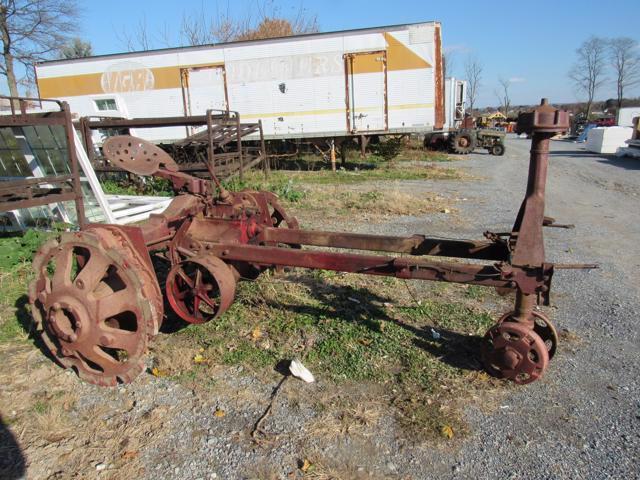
[204,88]
[366,78]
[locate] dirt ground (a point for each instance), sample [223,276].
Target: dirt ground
[183,421]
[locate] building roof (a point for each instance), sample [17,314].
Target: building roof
[223,44]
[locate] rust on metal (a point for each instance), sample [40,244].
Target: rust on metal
[211,238]
[32,192]
[218,147]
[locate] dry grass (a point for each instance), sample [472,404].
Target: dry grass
[376,203]
[58,433]
[355,420]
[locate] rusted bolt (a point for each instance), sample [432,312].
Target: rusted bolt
[73,337]
[106,340]
[225,252]
[56,306]
[65,352]
[80,284]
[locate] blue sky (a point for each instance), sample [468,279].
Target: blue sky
[531,42]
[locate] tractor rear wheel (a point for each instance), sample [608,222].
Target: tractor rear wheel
[463,142]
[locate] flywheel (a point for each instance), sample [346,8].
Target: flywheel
[95,304]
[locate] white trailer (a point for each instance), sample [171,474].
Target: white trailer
[372,81]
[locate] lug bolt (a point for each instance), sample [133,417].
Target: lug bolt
[80,284]
[56,306]
[65,352]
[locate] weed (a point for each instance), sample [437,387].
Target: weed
[40,407]
[144,186]
[389,149]
[16,250]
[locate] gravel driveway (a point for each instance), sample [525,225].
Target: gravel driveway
[583,419]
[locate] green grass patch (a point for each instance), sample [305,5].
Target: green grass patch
[16,253]
[349,328]
[152,186]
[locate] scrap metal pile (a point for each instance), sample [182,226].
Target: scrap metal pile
[98,302]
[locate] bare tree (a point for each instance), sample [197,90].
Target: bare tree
[624,55]
[165,36]
[503,95]
[448,61]
[76,48]
[268,22]
[32,31]
[195,29]
[588,72]
[473,73]
[136,39]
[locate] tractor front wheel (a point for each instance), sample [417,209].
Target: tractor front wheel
[497,149]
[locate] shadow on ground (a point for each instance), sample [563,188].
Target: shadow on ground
[455,349]
[12,461]
[23,314]
[627,163]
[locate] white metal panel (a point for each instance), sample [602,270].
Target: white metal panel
[626,116]
[411,95]
[366,94]
[364,42]
[310,67]
[206,90]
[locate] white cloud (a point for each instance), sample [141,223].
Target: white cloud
[517,79]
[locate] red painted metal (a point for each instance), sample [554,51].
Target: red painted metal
[200,289]
[96,303]
[212,237]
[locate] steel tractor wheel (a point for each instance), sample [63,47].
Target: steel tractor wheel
[463,142]
[514,351]
[96,303]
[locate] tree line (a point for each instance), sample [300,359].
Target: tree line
[600,60]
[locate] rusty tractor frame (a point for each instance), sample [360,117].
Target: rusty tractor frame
[98,302]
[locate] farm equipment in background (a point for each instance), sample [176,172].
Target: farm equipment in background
[465,140]
[97,299]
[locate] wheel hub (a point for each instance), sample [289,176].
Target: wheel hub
[67,320]
[514,351]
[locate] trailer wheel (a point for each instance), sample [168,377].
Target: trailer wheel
[497,149]
[463,142]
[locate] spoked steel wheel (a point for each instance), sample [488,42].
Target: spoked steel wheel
[95,304]
[200,289]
